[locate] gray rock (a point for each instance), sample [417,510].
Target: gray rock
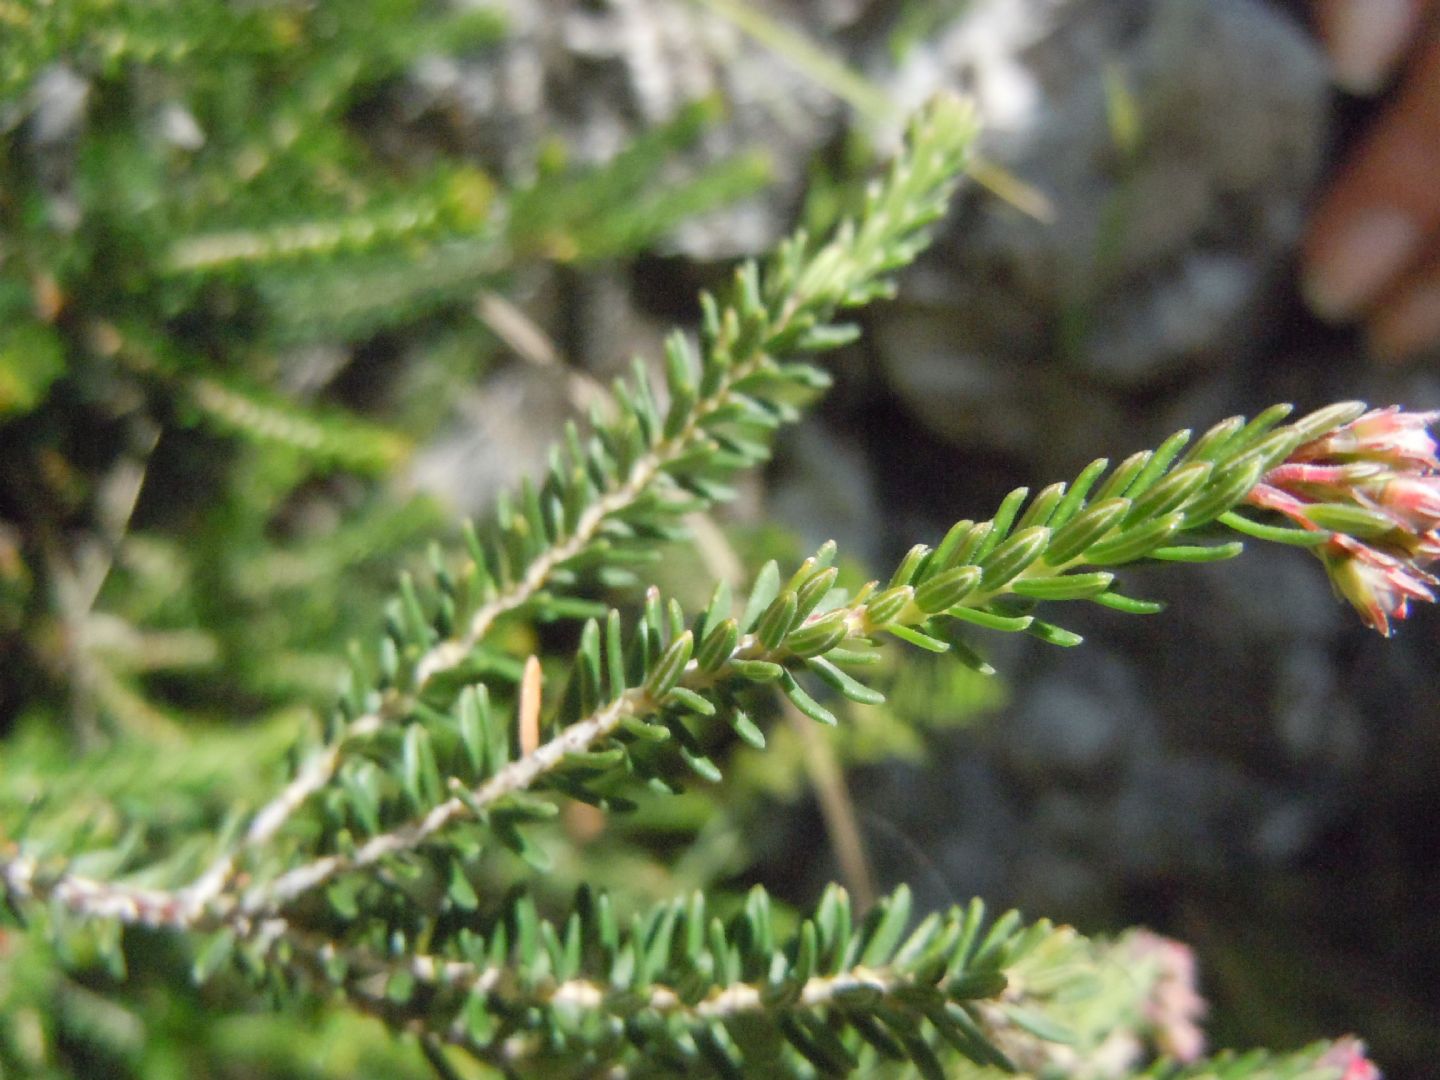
[596,75]
[1286,830]
[57,105]
[824,490]
[56,109]
[951,833]
[1177,176]
[501,434]
[1183,815]
[1074,722]
[177,126]
[1317,723]
[1270,595]
[1068,886]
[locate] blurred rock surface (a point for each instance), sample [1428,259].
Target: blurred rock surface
[1177,176]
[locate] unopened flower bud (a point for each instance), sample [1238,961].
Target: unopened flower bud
[1379,586]
[1413,501]
[1390,435]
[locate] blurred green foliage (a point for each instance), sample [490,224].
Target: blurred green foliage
[206,265]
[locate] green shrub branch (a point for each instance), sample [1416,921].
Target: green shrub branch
[642,471]
[360,874]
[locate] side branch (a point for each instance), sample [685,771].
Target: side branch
[517,776]
[91,899]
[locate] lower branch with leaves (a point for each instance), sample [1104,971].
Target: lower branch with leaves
[369,879]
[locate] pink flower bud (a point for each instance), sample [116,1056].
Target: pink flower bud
[1326,477]
[1267,495]
[1389,435]
[1379,586]
[1413,501]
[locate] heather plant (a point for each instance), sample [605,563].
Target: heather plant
[419,858]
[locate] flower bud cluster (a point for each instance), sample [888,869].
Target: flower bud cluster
[1372,485]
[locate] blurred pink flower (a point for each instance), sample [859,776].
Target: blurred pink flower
[1174,1007]
[1348,1055]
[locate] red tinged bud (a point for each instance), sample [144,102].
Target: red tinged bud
[1392,436]
[1379,586]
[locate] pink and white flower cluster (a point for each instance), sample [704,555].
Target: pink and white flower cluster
[1174,1007]
[1374,486]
